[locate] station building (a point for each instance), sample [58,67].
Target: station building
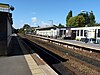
[5,28]
[52,31]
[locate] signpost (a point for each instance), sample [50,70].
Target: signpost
[4,7]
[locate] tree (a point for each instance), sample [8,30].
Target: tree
[86,17]
[92,19]
[22,30]
[68,16]
[89,18]
[97,24]
[26,26]
[60,25]
[77,21]
[80,20]
[71,22]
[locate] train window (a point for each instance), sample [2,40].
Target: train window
[81,32]
[98,32]
[77,32]
[85,33]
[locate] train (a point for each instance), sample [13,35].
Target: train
[84,34]
[87,34]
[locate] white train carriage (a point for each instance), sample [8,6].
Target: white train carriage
[90,33]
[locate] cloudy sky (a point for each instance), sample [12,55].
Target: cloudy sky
[40,12]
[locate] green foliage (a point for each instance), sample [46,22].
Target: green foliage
[26,26]
[68,16]
[77,21]
[60,25]
[89,18]
[92,19]
[97,24]
[71,22]
[82,19]
[86,17]
[22,30]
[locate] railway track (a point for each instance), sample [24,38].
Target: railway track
[76,55]
[50,58]
[79,56]
[59,61]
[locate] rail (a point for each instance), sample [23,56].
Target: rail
[69,44]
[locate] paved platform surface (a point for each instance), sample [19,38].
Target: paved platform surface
[14,63]
[80,43]
[36,64]
[20,62]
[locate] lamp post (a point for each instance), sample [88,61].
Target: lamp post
[25,31]
[11,8]
[51,22]
[86,34]
[86,22]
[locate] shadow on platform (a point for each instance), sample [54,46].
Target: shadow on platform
[14,48]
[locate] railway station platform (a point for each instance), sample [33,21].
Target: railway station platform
[82,44]
[20,62]
[91,46]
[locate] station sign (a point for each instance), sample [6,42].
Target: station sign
[4,7]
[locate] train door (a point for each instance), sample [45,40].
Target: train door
[60,33]
[95,33]
[73,34]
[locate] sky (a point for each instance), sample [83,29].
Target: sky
[41,12]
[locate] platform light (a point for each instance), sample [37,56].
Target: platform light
[11,8]
[51,22]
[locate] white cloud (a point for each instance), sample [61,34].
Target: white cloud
[34,19]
